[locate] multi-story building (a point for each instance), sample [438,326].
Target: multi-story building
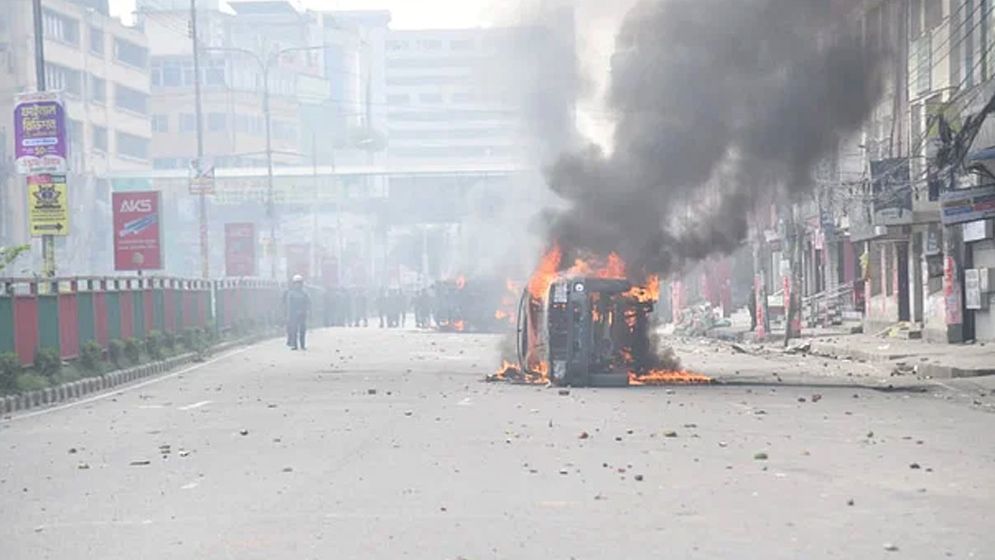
[442,103]
[261,43]
[465,102]
[100,66]
[877,235]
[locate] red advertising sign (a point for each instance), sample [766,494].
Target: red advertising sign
[137,231]
[240,249]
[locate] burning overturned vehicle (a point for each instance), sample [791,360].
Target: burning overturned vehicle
[589,325]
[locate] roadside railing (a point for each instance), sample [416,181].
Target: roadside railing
[64,314]
[826,307]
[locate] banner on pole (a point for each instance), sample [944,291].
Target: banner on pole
[40,143]
[202,181]
[48,205]
[240,249]
[137,231]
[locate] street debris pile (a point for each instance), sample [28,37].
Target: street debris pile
[584,322]
[698,320]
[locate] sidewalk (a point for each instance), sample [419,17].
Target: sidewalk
[916,357]
[898,355]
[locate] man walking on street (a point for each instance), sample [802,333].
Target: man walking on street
[297,304]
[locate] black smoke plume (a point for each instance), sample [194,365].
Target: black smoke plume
[717,104]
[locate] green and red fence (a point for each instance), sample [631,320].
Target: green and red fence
[65,314]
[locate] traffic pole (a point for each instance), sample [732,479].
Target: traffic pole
[205,261]
[47,240]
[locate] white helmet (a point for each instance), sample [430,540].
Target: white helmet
[297,278]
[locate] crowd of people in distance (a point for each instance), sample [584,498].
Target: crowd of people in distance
[385,308]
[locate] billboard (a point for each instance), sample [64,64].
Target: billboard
[48,205]
[240,249]
[967,205]
[40,133]
[137,231]
[892,192]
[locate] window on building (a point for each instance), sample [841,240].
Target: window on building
[188,122]
[217,122]
[58,77]
[915,17]
[398,99]
[425,80]
[167,163]
[397,45]
[430,98]
[96,89]
[130,53]
[932,14]
[430,44]
[461,45]
[130,99]
[96,41]
[160,123]
[60,27]
[74,129]
[172,74]
[129,145]
[463,97]
[921,53]
[99,135]
[214,75]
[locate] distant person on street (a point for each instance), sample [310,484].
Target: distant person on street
[297,305]
[360,317]
[382,307]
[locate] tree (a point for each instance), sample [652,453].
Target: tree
[10,254]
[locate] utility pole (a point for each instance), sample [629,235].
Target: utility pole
[264,67]
[205,261]
[314,205]
[270,203]
[47,240]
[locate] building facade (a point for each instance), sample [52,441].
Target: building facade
[100,66]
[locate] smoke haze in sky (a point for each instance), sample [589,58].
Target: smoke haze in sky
[716,102]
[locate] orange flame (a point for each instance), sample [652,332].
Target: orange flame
[648,293]
[511,372]
[665,377]
[509,302]
[545,272]
[459,325]
[460,282]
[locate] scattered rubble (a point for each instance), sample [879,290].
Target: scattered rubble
[760,456]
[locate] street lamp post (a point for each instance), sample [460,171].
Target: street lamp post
[264,68]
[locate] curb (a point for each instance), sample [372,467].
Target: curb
[89,385]
[923,369]
[831,350]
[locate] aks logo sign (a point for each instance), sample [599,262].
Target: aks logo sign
[129,205]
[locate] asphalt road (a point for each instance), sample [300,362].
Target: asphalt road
[377,444]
